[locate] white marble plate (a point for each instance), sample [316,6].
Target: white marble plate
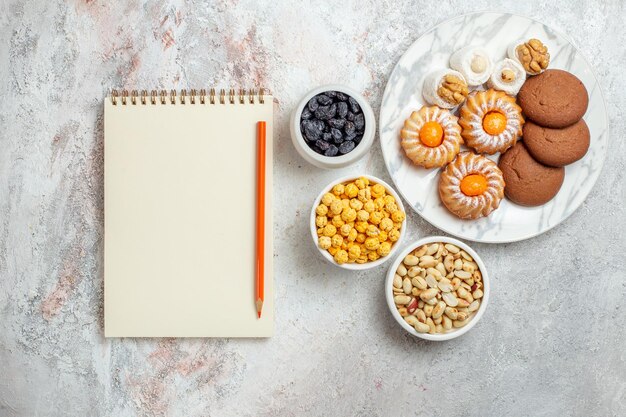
[403,94]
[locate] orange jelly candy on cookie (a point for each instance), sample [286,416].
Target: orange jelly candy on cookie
[494,123]
[431,134]
[473,185]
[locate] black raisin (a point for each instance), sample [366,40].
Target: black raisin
[313,104]
[342,109]
[322,145]
[349,128]
[337,135]
[324,100]
[359,121]
[306,113]
[331,94]
[319,125]
[333,110]
[323,113]
[350,116]
[351,136]
[337,123]
[354,106]
[327,137]
[331,151]
[346,147]
[309,130]
[341,96]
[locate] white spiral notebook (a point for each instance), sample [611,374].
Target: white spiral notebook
[179,214]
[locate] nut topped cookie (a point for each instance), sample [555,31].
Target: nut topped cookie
[532,54]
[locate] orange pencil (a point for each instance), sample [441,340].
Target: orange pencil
[260,218]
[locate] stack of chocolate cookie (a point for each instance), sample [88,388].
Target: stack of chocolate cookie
[554,135]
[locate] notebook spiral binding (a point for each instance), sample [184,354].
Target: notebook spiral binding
[135,97]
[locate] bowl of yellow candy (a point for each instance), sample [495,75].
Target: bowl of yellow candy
[357,223]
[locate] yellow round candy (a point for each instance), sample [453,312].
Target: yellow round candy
[329,230]
[372,243]
[321,210]
[327,199]
[352,235]
[373,256]
[324,242]
[348,215]
[361,227]
[356,204]
[386,224]
[320,231]
[383,236]
[380,203]
[372,231]
[376,217]
[341,256]
[345,230]
[354,252]
[398,216]
[321,221]
[364,195]
[336,207]
[333,250]
[389,199]
[378,190]
[391,207]
[337,221]
[336,240]
[345,203]
[394,235]
[362,215]
[384,249]
[369,206]
[360,237]
[351,190]
[338,189]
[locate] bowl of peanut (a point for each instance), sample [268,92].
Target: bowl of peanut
[437,288]
[357,223]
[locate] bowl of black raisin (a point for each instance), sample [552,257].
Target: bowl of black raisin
[333,126]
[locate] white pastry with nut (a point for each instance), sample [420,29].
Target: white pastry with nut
[473,63]
[445,88]
[508,76]
[532,54]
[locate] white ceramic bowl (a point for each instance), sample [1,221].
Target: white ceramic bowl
[355,266]
[453,333]
[341,161]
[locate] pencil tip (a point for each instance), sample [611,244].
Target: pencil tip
[259,307]
[259,313]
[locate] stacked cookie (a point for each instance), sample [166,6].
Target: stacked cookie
[554,135]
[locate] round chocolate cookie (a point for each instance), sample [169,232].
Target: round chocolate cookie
[528,182]
[557,147]
[554,98]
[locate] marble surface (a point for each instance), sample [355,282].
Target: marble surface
[404,94]
[550,343]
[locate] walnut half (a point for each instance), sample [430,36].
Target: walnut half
[533,56]
[453,89]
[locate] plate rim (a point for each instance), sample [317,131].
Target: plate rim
[606,118]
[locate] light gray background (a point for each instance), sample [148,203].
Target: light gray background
[550,344]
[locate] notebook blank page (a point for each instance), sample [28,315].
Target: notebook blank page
[180,203]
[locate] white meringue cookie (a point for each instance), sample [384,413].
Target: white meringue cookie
[432,82]
[498,82]
[474,63]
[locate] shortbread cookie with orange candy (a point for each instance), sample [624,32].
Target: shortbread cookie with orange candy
[471,186]
[431,137]
[491,121]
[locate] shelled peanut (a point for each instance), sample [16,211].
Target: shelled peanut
[437,288]
[358,221]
